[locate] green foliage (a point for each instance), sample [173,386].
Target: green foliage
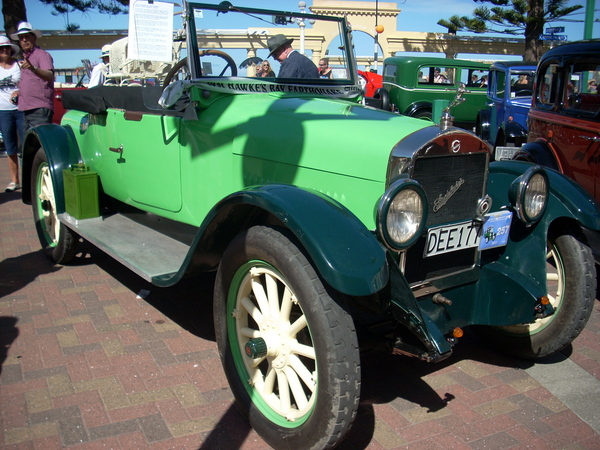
[112,7]
[513,17]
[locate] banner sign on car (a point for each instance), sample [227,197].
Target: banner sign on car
[175,90]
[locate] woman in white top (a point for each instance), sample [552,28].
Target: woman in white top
[11,120]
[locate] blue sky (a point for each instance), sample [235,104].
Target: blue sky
[416,15]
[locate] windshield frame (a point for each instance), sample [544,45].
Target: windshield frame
[194,65]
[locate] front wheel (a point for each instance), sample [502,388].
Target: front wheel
[571,283]
[59,242]
[289,351]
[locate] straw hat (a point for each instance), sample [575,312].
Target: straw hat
[277,41]
[4,42]
[24,28]
[105,51]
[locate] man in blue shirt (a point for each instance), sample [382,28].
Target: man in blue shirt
[293,64]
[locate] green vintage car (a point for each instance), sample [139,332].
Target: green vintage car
[414,83]
[329,223]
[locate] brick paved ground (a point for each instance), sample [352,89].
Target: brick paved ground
[86,363]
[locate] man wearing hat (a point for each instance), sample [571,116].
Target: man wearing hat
[100,71]
[293,64]
[36,89]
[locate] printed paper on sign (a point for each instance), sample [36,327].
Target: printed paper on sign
[150,31]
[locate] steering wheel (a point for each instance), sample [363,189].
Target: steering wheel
[523,92]
[182,65]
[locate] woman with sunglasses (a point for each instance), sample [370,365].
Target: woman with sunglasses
[11,120]
[265,70]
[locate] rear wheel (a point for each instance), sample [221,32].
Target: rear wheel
[289,350]
[571,282]
[58,241]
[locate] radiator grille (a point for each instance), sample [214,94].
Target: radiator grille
[440,175]
[459,180]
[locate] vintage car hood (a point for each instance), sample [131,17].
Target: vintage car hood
[328,135]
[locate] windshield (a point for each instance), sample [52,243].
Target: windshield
[285,47]
[521,83]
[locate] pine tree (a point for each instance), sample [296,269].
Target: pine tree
[514,17]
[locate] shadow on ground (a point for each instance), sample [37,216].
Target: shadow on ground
[385,378]
[18,272]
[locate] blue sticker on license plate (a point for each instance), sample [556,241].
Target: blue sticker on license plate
[495,230]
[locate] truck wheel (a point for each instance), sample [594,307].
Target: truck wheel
[571,281]
[289,351]
[59,242]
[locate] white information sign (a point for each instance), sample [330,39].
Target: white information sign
[150,31]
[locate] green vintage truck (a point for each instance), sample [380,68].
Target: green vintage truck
[327,221]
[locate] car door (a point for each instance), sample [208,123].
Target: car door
[576,134]
[146,152]
[496,102]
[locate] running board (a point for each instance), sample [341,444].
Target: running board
[143,250]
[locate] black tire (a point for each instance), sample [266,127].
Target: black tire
[384,97]
[59,242]
[571,280]
[308,335]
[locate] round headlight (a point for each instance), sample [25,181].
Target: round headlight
[529,194]
[401,214]
[536,194]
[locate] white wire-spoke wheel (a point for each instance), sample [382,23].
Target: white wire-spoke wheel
[58,241]
[275,346]
[571,289]
[289,350]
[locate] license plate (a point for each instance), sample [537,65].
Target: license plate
[459,236]
[450,238]
[495,230]
[505,153]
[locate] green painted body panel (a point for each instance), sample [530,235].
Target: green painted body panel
[401,79]
[278,139]
[143,167]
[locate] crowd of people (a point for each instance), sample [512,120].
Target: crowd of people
[26,92]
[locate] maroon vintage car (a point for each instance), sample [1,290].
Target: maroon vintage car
[564,120]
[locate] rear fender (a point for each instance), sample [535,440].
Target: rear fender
[346,254]
[416,107]
[513,130]
[61,150]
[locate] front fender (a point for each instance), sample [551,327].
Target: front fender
[513,130]
[61,151]
[483,124]
[567,198]
[346,254]
[537,152]
[568,205]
